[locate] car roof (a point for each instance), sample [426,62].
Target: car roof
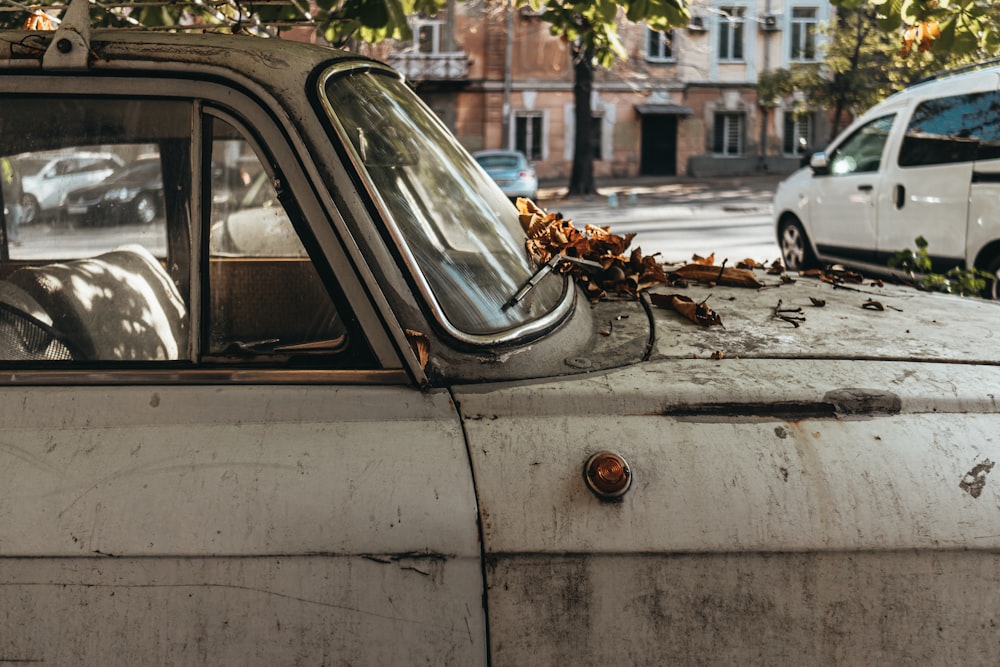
[275,64]
[954,83]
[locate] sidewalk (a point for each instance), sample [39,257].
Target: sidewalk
[733,193]
[676,218]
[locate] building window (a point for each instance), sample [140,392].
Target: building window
[728,134]
[427,34]
[528,134]
[731,24]
[596,134]
[798,139]
[659,45]
[803,37]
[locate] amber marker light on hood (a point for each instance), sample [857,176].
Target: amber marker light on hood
[608,474]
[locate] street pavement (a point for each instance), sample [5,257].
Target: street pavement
[679,217]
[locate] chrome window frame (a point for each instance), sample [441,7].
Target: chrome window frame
[529,329]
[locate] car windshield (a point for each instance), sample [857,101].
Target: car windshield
[458,232]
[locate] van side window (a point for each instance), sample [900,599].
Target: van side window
[862,151]
[950,130]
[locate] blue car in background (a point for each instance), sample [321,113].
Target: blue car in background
[511,171]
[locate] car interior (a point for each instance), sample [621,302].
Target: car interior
[121,291]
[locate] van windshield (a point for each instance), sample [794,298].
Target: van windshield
[458,232]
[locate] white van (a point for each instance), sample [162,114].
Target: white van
[924,162]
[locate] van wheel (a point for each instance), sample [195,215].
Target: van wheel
[794,244]
[992,289]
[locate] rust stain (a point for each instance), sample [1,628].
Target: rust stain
[974,480]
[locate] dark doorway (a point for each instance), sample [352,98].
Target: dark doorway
[659,145]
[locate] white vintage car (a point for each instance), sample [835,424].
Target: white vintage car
[393,438]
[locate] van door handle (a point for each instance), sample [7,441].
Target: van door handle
[899,196]
[865,188]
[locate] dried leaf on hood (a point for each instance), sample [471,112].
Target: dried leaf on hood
[706,261]
[748,264]
[718,275]
[550,234]
[697,312]
[871,304]
[776,268]
[838,275]
[835,275]
[819,303]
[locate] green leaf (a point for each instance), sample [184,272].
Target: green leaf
[371,13]
[637,11]
[849,4]
[606,10]
[889,15]
[911,11]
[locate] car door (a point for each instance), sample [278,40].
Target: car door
[929,181]
[213,453]
[843,209]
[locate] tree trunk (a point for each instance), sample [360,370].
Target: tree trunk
[581,180]
[846,81]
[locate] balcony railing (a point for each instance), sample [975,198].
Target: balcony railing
[431,66]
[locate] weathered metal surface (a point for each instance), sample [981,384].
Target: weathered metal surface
[842,471]
[857,608]
[293,610]
[251,519]
[912,325]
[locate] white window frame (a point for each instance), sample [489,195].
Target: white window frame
[529,116]
[803,126]
[436,27]
[803,34]
[598,120]
[665,46]
[732,25]
[733,126]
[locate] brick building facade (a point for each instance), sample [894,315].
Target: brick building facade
[683,103]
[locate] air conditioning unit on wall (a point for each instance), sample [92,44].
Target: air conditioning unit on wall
[696,24]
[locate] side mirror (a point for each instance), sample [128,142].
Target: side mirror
[819,164]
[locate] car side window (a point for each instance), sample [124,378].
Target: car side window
[100,269]
[954,129]
[88,270]
[862,151]
[267,300]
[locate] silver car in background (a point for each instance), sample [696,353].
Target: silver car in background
[47,177]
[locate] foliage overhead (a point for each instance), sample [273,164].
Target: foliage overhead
[591,26]
[337,20]
[957,26]
[863,63]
